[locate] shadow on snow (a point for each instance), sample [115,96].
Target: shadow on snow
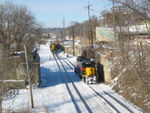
[49,78]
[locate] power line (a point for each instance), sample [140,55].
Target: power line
[90,26]
[99,1]
[98,10]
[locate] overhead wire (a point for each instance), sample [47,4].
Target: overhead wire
[98,10]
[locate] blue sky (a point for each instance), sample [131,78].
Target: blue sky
[50,13]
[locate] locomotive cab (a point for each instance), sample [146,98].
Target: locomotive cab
[89,68]
[86,69]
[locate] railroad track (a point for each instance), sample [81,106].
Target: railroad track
[67,60]
[116,108]
[78,109]
[112,105]
[12,93]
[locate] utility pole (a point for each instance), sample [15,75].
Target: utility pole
[114,29]
[63,23]
[63,32]
[2,86]
[29,77]
[73,40]
[1,78]
[90,25]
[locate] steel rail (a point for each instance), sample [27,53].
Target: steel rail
[68,89]
[118,102]
[67,60]
[109,103]
[115,108]
[67,63]
[76,89]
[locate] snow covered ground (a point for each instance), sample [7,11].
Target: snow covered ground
[52,95]
[69,43]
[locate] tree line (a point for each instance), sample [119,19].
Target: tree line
[18,27]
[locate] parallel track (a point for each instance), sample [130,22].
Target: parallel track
[67,60]
[107,101]
[69,91]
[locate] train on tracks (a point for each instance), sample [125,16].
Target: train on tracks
[87,70]
[56,48]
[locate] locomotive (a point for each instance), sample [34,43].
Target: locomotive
[87,70]
[56,48]
[53,47]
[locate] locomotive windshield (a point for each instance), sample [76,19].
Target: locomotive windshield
[88,64]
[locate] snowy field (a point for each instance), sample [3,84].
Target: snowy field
[52,96]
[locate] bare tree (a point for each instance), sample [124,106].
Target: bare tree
[132,46]
[17,27]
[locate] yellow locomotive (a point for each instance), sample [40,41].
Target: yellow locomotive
[56,48]
[87,70]
[53,47]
